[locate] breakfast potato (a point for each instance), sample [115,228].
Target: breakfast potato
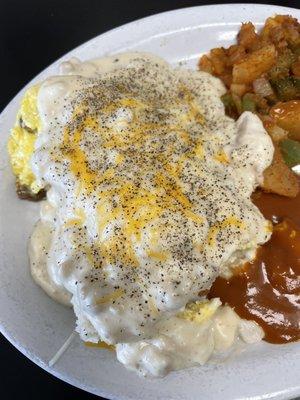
[205,64]
[296,68]
[247,37]
[262,73]
[239,89]
[278,178]
[254,65]
[236,54]
[287,116]
[219,60]
[281,30]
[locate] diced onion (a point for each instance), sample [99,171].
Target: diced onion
[262,87]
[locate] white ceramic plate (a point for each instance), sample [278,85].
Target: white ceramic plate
[38,326]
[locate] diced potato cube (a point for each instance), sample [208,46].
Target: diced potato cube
[247,36]
[239,89]
[279,178]
[296,68]
[219,60]
[205,64]
[236,54]
[256,63]
[227,79]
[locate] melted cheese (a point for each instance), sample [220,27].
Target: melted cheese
[149,200]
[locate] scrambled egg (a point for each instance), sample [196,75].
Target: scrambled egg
[200,311]
[21,142]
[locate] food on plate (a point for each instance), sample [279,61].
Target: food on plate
[278,178]
[21,146]
[148,201]
[290,150]
[171,228]
[262,75]
[267,289]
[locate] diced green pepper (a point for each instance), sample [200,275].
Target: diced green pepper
[297,84]
[290,150]
[227,100]
[283,65]
[287,88]
[229,104]
[248,103]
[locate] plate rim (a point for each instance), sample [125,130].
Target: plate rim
[140,20]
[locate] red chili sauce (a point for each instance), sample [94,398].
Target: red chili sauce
[267,290]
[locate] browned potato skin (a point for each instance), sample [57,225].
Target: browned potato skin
[205,64]
[280,30]
[247,36]
[296,68]
[278,178]
[236,54]
[219,60]
[254,65]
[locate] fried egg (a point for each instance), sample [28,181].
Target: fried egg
[148,201]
